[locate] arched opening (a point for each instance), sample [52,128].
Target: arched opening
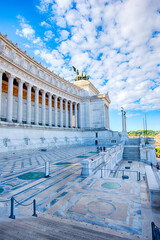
[64,124]
[4,97]
[53,112]
[15,100]
[73,115]
[69,117]
[40,107]
[32,105]
[24,108]
[58,112]
[96,142]
[47,109]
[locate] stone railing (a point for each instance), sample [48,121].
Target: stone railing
[153,186]
[147,151]
[107,159]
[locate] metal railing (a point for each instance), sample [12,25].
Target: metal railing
[102,170]
[13,200]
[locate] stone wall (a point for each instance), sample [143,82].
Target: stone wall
[105,160]
[15,137]
[147,151]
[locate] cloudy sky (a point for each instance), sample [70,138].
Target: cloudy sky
[116,42]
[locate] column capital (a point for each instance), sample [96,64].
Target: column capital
[49,94]
[20,80]
[43,91]
[10,76]
[28,85]
[1,70]
[36,89]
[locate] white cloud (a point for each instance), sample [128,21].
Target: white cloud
[27,31]
[44,5]
[48,35]
[64,35]
[61,6]
[45,24]
[117,43]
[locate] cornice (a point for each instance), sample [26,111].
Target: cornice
[37,80]
[105,96]
[34,62]
[86,83]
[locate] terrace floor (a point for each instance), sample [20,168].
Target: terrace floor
[111,205]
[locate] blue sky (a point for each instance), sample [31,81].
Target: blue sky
[116,42]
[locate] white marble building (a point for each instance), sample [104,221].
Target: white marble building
[39,108]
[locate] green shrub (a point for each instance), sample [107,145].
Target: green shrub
[157,150]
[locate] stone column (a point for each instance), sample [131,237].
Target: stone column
[66,113]
[1,74]
[43,108]
[50,109]
[20,101]
[36,106]
[80,115]
[55,111]
[122,120]
[10,99]
[29,104]
[75,112]
[125,127]
[61,112]
[71,115]
[108,117]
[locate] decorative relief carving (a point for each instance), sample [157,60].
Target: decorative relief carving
[50,79]
[42,139]
[5,141]
[37,72]
[12,55]
[26,140]
[2,48]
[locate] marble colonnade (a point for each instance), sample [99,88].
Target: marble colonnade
[54,111]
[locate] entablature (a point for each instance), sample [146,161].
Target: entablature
[32,67]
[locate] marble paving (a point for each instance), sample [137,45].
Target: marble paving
[111,202]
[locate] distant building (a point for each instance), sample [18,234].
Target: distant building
[157,141]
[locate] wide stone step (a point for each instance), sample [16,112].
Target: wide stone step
[134,155]
[131,156]
[42,228]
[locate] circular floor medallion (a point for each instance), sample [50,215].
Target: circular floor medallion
[111,185]
[1,190]
[101,208]
[127,167]
[63,163]
[32,175]
[125,177]
[82,156]
[43,150]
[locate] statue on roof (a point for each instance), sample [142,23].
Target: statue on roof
[81,76]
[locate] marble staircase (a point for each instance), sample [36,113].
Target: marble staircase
[52,229]
[131,150]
